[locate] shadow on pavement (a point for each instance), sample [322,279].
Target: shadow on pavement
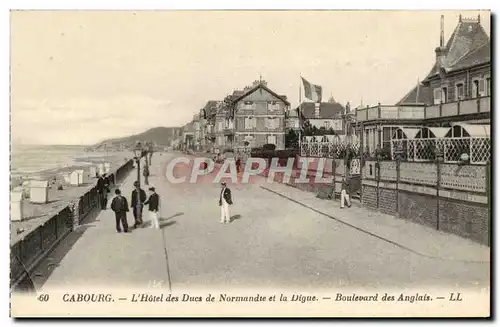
[43,271]
[167,224]
[234,217]
[49,264]
[173,216]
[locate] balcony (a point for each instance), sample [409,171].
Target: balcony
[448,109]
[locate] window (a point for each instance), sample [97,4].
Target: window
[482,87]
[444,94]
[273,106]
[250,122]
[272,123]
[326,124]
[459,91]
[220,126]
[387,133]
[271,139]
[475,88]
[247,105]
[488,86]
[437,96]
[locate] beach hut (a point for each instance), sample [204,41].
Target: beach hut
[39,191]
[25,188]
[66,177]
[16,206]
[74,179]
[107,167]
[100,169]
[92,171]
[82,176]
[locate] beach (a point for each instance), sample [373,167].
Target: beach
[33,162]
[50,163]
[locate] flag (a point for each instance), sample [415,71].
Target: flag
[311,91]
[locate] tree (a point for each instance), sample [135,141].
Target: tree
[292,139]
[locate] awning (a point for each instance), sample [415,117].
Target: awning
[475,130]
[408,132]
[438,132]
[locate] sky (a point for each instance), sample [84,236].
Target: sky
[78,77]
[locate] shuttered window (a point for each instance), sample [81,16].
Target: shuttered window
[437,96]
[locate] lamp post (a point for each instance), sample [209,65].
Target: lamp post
[138,154]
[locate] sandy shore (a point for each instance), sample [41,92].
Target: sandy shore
[37,214]
[56,174]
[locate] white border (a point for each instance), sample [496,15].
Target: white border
[178,4]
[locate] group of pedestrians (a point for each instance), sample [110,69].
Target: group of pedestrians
[138,200]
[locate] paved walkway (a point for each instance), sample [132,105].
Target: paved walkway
[271,242]
[414,237]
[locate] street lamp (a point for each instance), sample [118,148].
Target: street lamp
[138,154]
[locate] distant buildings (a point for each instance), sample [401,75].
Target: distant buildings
[259,117]
[245,119]
[326,115]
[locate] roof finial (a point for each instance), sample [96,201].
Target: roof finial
[441,41]
[460,18]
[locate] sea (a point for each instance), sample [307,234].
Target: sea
[29,160]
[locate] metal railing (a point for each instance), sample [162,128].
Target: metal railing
[462,107]
[26,253]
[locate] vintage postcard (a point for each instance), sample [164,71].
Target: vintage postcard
[250,163]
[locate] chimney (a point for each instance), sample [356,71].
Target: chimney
[316,109]
[441,50]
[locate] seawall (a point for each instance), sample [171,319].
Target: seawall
[30,247]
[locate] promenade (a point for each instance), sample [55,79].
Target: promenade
[279,237]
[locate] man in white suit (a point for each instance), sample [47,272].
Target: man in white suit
[224,202]
[344,193]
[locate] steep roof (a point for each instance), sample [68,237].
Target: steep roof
[476,57]
[420,94]
[255,88]
[468,36]
[467,46]
[327,110]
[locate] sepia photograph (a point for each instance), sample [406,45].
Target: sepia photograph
[250,163]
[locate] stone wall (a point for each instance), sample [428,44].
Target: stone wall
[451,198]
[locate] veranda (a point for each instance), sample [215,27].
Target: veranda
[458,143]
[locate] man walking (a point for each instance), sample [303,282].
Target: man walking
[154,208]
[120,206]
[137,203]
[224,202]
[344,196]
[145,173]
[101,189]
